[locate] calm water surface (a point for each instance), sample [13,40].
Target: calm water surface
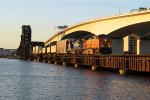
[23,80]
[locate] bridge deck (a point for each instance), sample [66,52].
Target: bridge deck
[123,62]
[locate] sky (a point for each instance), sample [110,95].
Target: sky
[44,16]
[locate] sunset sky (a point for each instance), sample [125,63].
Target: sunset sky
[45,15]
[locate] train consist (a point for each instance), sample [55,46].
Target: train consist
[96,45]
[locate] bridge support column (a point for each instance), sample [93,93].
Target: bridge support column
[126,44]
[34,59]
[134,42]
[76,65]
[122,71]
[144,46]
[49,61]
[94,68]
[44,61]
[117,46]
[55,63]
[64,64]
[138,46]
[37,59]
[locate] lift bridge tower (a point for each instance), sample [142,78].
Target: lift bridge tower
[24,47]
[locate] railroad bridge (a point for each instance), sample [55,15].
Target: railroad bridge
[119,27]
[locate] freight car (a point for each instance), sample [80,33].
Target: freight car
[75,47]
[98,45]
[44,50]
[51,49]
[63,46]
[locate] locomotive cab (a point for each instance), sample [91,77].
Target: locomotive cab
[105,47]
[97,45]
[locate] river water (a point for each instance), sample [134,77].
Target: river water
[23,80]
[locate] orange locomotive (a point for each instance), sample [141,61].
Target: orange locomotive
[98,45]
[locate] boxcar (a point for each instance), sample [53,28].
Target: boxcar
[53,49]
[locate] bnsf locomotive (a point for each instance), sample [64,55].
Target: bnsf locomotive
[96,45]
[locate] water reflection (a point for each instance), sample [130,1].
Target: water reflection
[25,81]
[22,80]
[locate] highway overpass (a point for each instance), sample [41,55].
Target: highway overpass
[119,27]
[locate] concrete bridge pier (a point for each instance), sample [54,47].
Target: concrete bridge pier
[55,63]
[64,64]
[76,65]
[122,71]
[34,59]
[117,46]
[144,46]
[138,46]
[44,61]
[132,44]
[49,61]
[38,59]
[126,44]
[94,68]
